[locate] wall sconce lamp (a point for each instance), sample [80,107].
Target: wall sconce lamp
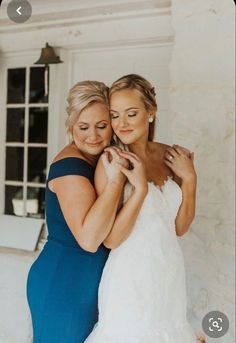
[47,57]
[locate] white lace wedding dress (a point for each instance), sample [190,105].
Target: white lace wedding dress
[142,297]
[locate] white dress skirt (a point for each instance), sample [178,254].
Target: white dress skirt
[142,295]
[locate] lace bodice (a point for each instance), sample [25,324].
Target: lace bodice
[161,201]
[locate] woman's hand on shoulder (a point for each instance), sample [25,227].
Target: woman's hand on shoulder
[107,171]
[135,173]
[180,160]
[111,160]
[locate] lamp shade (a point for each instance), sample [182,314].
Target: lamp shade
[48,56]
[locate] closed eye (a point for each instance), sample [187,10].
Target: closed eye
[133,114]
[114,116]
[102,127]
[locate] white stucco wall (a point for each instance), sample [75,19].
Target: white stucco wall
[196,107]
[202,104]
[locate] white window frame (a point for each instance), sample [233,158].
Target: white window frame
[26,105]
[23,232]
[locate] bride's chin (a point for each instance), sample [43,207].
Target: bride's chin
[126,141]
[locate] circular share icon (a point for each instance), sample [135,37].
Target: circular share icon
[215,324]
[19,11]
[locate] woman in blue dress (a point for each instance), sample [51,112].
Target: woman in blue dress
[62,286]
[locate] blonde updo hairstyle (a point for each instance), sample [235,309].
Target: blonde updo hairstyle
[82,95]
[147,93]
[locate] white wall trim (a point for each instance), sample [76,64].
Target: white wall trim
[97,46]
[128,44]
[76,16]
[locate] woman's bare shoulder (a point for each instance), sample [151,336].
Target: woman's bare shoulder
[159,148]
[67,151]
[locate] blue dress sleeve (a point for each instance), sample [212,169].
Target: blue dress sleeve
[71,166]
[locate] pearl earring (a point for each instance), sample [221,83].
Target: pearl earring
[150,119]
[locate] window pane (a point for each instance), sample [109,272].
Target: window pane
[16,86]
[38,125]
[14,163]
[15,124]
[35,204]
[37,159]
[38,88]
[14,200]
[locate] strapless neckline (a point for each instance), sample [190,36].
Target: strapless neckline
[161,188]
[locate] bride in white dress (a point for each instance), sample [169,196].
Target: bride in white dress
[142,297]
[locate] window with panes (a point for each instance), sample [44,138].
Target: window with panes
[26,142]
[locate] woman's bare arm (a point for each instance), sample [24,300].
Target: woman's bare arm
[127,215]
[182,165]
[186,211]
[89,218]
[125,220]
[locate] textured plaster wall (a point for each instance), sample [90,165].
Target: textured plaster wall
[202,118]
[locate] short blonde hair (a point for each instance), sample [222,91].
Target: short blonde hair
[146,90]
[82,95]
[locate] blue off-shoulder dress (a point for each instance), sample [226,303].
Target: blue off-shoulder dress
[62,286]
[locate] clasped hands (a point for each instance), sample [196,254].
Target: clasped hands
[124,165]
